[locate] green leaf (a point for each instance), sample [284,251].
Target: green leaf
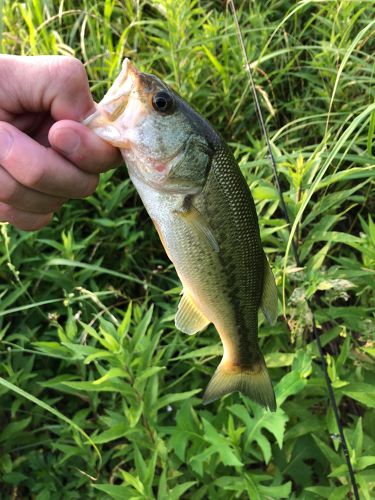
[364,393]
[121,387]
[321,491]
[49,409]
[230,483]
[13,429]
[279,491]
[149,469]
[149,372]
[278,359]
[333,458]
[169,399]
[304,427]
[211,350]
[114,491]
[357,438]
[140,330]
[220,445]
[123,329]
[274,422]
[112,373]
[162,486]
[340,493]
[177,492]
[116,432]
[290,384]
[92,268]
[133,481]
[364,462]
[13,478]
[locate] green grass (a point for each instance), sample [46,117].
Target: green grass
[89,356]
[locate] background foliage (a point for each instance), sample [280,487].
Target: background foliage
[87,340]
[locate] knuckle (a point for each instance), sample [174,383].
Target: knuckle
[23,220]
[30,224]
[91,185]
[5,211]
[71,70]
[38,222]
[10,193]
[33,176]
[56,204]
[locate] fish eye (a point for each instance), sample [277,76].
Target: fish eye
[163,102]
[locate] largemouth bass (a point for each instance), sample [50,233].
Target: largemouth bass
[204,213]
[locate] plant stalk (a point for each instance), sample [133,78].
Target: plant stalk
[295,253]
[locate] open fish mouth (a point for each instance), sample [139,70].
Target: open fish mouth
[114,103]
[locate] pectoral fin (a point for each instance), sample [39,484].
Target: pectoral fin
[269,297]
[188,318]
[200,225]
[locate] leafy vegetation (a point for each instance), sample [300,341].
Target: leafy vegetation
[99,394]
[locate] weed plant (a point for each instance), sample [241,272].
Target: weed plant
[99,394]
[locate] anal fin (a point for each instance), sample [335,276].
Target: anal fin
[188,317]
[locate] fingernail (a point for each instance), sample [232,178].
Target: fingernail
[6,142]
[66,140]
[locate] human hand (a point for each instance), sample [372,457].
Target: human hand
[46,155]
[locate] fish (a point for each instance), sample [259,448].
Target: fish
[202,208]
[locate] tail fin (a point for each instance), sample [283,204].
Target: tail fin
[254,382]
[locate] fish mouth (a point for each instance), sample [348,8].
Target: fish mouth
[113,104]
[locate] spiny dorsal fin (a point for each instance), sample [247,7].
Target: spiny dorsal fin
[269,297]
[188,318]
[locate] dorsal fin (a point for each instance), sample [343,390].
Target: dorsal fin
[269,296]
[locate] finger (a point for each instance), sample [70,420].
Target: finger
[23,220]
[14,194]
[40,168]
[82,147]
[57,84]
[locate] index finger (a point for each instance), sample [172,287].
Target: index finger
[40,168]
